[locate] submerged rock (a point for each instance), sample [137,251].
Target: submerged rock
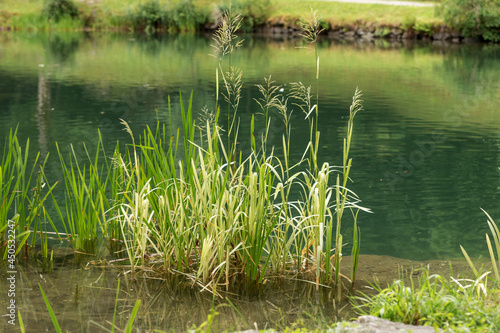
[371,324]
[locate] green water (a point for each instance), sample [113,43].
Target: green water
[425,150]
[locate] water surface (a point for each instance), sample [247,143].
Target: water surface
[425,149]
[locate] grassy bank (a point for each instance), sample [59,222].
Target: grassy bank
[197,14]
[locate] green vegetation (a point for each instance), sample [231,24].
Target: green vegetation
[153,15]
[190,202]
[474,18]
[58,9]
[458,305]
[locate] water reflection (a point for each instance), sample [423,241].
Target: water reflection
[85,299]
[425,151]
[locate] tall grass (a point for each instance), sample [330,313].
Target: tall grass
[20,202]
[492,248]
[189,202]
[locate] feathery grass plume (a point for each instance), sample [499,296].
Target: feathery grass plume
[205,116]
[281,104]
[270,93]
[233,84]
[310,26]
[226,41]
[303,96]
[225,37]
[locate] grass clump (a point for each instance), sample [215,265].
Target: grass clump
[192,202]
[456,305]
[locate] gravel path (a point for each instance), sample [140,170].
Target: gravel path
[389,2]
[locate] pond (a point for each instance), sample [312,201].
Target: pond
[425,148]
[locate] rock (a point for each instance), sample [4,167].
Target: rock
[371,324]
[349,34]
[335,33]
[441,36]
[396,31]
[367,36]
[277,31]
[469,40]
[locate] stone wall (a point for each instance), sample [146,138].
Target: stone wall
[444,34]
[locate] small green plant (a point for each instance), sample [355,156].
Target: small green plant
[426,28]
[59,9]
[382,31]
[453,305]
[495,260]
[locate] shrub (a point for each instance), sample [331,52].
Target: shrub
[474,18]
[186,16]
[152,16]
[148,15]
[253,12]
[58,9]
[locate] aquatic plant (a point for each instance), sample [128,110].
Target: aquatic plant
[86,201]
[187,201]
[449,304]
[22,205]
[128,327]
[495,232]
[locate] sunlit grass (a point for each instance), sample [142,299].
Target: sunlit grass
[461,305]
[191,203]
[352,14]
[113,14]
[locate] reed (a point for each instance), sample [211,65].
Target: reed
[129,327]
[186,201]
[495,259]
[84,214]
[21,204]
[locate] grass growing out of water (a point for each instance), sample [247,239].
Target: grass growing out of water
[191,203]
[495,232]
[21,205]
[458,305]
[461,305]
